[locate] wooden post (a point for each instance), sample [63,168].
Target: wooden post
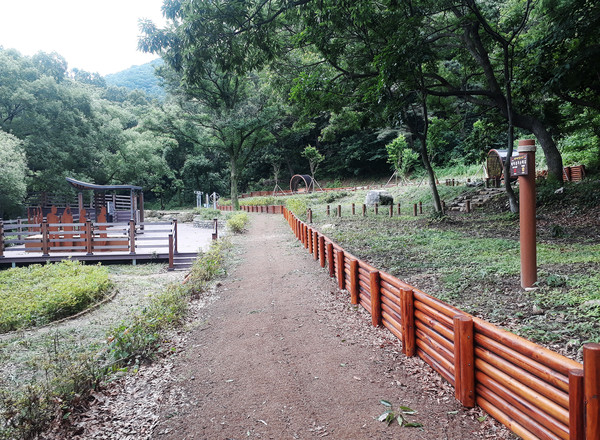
[415,210]
[409,346]
[328,211]
[376,208]
[171,263]
[20,229]
[353,209]
[315,248]
[131,237]
[420,207]
[354,282]
[398,208]
[364,209]
[2,239]
[309,215]
[215,235]
[175,234]
[375,298]
[309,239]
[330,261]
[464,361]
[468,206]
[391,210]
[45,238]
[322,250]
[340,269]
[89,236]
[591,387]
[576,405]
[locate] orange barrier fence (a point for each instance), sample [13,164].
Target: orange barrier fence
[535,392]
[267,209]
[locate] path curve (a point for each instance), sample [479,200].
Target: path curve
[283,355]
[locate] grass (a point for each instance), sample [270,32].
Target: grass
[39,294]
[47,372]
[473,261]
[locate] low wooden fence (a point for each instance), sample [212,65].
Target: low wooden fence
[267,209]
[535,392]
[88,237]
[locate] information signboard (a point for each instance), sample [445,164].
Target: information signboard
[518,165]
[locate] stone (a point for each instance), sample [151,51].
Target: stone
[379,196]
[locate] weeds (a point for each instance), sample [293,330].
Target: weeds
[61,372]
[238,222]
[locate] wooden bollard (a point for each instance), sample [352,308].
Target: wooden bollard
[309,215]
[171,260]
[398,208]
[391,210]
[2,239]
[309,239]
[339,255]
[375,298]
[407,310]
[45,238]
[330,261]
[420,207]
[576,405]
[328,211]
[353,209]
[468,206]
[354,282]
[591,389]
[464,361]
[415,210]
[89,236]
[315,245]
[322,250]
[376,208]
[364,209]
[339,210]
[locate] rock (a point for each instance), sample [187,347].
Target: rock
[591,303]
[537,310]
[475,183]
[560,190]
[379,196]
[328,226]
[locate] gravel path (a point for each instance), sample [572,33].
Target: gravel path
[279,353]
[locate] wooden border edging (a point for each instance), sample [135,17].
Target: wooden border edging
[535,392]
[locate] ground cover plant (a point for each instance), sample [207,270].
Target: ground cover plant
[472,260]
[47,373]
[39,294]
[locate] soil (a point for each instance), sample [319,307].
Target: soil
[277,352]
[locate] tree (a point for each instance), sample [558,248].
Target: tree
[13,171]
[314,159]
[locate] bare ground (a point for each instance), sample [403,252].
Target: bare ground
[277,352]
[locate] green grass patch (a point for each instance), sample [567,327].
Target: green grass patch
[238,222]
[39,294]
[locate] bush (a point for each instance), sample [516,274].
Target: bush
[298,206]
[36,295]
[238,222]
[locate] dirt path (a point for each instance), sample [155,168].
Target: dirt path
[281,354]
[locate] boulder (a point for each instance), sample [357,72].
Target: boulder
[379,196]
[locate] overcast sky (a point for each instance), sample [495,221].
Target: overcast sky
[93,35]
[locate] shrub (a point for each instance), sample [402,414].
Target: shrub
[298,206]
[37,295]
[237,223]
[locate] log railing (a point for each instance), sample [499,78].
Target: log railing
[535,392]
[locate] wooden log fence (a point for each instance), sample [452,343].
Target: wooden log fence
[535,392]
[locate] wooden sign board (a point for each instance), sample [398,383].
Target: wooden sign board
[518,165]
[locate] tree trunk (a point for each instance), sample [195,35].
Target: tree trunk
[437,204]
[234,184]
[553,156]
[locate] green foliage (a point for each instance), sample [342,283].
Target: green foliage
[207,213]
[36,295]
[298,205]
[238,222]
[13,170]
[401,156]
[314,158]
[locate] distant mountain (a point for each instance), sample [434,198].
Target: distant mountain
[139,78]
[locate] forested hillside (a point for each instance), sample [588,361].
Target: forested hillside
[247,92]
[139,78]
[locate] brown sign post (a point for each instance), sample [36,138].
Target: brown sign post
[524,167]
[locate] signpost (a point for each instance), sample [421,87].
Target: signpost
[524,167]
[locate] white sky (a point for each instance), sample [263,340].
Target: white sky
[93,35]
